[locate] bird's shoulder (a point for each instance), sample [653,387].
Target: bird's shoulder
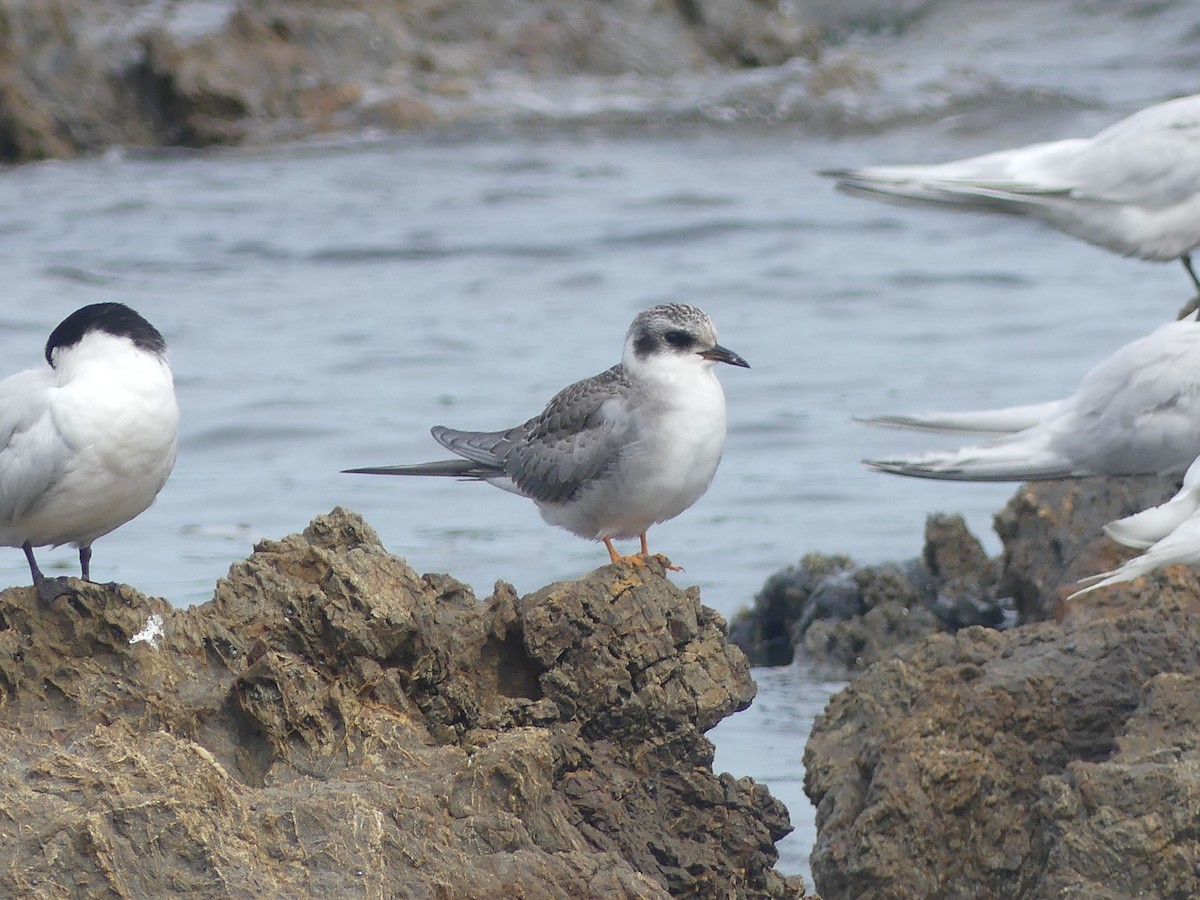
[1147,384]
[1152,158]
[581,405]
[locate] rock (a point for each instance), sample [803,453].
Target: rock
[332,724]
[765,631]
[865,639]
[81,77]
[839,612]
[1049,760]
[1053,535]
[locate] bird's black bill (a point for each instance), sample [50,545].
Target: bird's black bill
[725,355]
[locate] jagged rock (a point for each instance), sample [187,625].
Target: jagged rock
[839,612]
[875,635]
[765,631]
[332,724]
[1050,760]
[1053,535]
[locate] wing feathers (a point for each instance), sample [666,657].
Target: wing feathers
[551,457]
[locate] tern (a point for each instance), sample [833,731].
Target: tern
[1133,189]
[88,440]
[616,453]
[1136,413]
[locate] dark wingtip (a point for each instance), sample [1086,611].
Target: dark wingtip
[899,467]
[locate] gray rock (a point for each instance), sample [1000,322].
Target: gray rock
[1053,535]
[838,612]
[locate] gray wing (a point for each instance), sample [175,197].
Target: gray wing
[31,452]
[484,448]
[1151,158]
[551,457]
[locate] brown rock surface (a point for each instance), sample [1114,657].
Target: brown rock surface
[332,724]
[1057,759]
[1053,535]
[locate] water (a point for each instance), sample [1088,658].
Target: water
[324,307]
[326,304]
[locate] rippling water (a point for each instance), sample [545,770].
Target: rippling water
[325,305]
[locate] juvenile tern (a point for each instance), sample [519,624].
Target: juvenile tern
[1169,533]
[1134,188]
[613,454]
[87,441]
[1136,413]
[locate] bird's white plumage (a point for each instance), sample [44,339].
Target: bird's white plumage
[1134,188]
[1169,533]
[84,446]
[1136,413]
[1143,529]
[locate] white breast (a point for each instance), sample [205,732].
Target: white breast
[679,423]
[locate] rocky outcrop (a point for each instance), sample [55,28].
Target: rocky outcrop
[332,724]
[1058,759]
[1048,761]
[832,610]
[1053,535]
[79,77]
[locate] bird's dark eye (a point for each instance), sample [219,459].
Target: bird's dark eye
[680,339]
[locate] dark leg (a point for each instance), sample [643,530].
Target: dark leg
[47,588]
[1186,259]
[85,561]
[1193,305]
[38,577]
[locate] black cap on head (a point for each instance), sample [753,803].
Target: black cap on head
[115,318]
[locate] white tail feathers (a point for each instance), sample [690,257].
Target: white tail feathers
[1007,420]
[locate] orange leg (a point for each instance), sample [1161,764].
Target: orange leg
[618,558]
[667,564]
[638,559]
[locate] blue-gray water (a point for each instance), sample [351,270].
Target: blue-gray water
[325,305]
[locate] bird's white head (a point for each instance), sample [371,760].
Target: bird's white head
[673,339]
